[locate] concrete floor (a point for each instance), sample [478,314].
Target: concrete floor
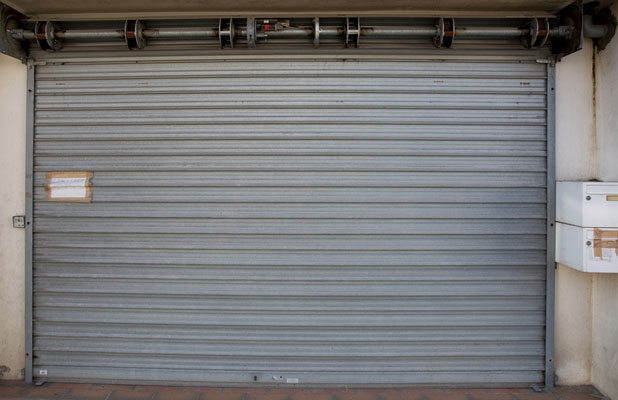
[10,390]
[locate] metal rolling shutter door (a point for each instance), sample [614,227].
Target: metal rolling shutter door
[333,222]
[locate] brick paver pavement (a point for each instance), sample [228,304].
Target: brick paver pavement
[10,390]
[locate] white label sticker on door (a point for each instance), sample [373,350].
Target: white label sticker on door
[69,186]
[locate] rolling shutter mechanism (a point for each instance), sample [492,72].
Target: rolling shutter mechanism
[256,211]
[566,33]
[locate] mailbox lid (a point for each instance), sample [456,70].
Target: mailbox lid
[587,204]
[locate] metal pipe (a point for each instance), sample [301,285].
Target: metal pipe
[20,34]
[490,32]
[330,32]
[594,31]
[89,34]
[287,33]
[182,33]
[379,31]
[294,33]
[560,32]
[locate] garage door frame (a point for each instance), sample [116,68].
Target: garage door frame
[550,236]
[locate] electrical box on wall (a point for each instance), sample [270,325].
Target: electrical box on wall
[587,226]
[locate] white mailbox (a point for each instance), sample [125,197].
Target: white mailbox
[587,226]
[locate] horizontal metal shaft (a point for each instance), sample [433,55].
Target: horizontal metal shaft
[184,33]
[404,32]
[490,32]
[286,33]
[82,34]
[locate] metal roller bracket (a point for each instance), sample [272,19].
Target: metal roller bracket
[537,33]
[570,17]
[352,31]
[134,34]
[251,33]
[532,26]
[439,38]
[316,32]
[543,32]
[449,32]
[445,34]
[226,32]
[10,21]
[44,32]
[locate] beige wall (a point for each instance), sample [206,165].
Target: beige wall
[573,342]
[12,174]
[604,372]
[575,160]
[575,136]
[586,147]
[606,108]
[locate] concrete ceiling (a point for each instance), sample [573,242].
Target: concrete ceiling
[121,9]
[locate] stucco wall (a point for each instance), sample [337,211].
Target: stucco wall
[573,342]
[586,148]
[606,66]
[604,331]
[575,137]
[604,370]
[12,173]
[575,160]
